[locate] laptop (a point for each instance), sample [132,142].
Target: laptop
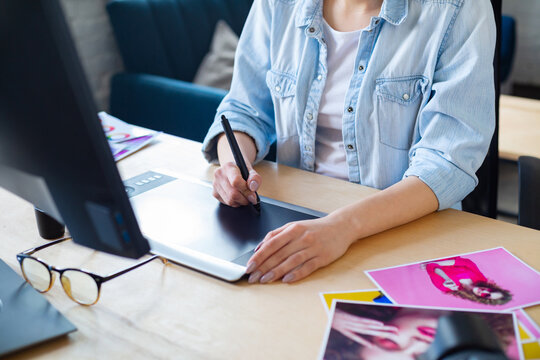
[184,223]
[26,317]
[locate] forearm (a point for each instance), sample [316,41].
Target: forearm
[246,144]
[399,204]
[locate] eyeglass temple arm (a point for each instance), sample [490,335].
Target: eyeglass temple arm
[41,247]
[112,276]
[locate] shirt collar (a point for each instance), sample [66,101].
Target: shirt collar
[393,11]
[307,12]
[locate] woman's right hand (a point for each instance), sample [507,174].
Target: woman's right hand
[229,186]
[353,327]
[231,189]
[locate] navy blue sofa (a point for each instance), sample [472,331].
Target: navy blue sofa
[162,43]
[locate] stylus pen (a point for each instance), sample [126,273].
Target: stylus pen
[238,156]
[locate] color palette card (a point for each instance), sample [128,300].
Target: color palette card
[124,139]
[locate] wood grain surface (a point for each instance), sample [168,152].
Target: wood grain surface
[519,127]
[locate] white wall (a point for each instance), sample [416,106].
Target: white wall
[526,69]
[95,43]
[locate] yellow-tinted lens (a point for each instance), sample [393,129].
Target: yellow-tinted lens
[36,274]
[80,286]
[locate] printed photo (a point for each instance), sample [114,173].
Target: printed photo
[372,295]
[528,329]
[359,330]
[491,279]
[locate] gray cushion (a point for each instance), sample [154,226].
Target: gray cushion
[216,68]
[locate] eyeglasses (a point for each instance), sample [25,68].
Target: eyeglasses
[81,286]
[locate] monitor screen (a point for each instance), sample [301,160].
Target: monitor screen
[53,151]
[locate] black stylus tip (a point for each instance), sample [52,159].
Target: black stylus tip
[257,206]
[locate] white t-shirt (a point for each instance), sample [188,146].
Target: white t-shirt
[330,158]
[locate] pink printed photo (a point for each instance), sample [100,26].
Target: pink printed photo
[360,330]
[492,279]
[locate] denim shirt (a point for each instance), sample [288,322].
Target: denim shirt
[421,100]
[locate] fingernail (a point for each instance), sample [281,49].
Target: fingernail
[251,267]
[253,278]
[253,186]
[267,277]
[258,247]
[288,278]
[252,199]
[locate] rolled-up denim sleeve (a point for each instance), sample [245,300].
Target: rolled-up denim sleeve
[456,125]
[248,105]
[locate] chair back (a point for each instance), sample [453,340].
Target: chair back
[508,45]
[529,192]
[169,38]
[483,199]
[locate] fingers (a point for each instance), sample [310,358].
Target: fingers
[379,332]
[281,258]
[295,250]
[302,271]
[254,180]
[351,335]
[272,243]
[231,189]
[425,338]
[349,324]
[229,195]
[251,264]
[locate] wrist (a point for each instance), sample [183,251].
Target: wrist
[348,225]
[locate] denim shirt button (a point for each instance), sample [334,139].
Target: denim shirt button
[278,88]
[406,97]
[361,68]
[307,148]
[350,109]
[350,147]
[311,30]
[309,116]
[319,77]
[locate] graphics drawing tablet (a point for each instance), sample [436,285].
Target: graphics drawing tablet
[186,224]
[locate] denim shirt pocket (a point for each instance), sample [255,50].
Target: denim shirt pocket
[282,87]
[398,104]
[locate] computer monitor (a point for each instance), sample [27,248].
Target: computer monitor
[53,151]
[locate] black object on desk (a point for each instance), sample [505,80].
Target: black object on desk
[53,151]
[26,317]
[238,155]
[463,336]
[48,227]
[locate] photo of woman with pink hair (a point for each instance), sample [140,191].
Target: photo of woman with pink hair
[493,279]
[383,332]
[461,277]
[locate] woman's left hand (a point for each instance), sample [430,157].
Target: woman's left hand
[297,249]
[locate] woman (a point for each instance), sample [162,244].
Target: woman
[461,277]
[395,94]
[403,334]
[366,332]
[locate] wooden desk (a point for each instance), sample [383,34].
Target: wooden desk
[519,127]
[170,312]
